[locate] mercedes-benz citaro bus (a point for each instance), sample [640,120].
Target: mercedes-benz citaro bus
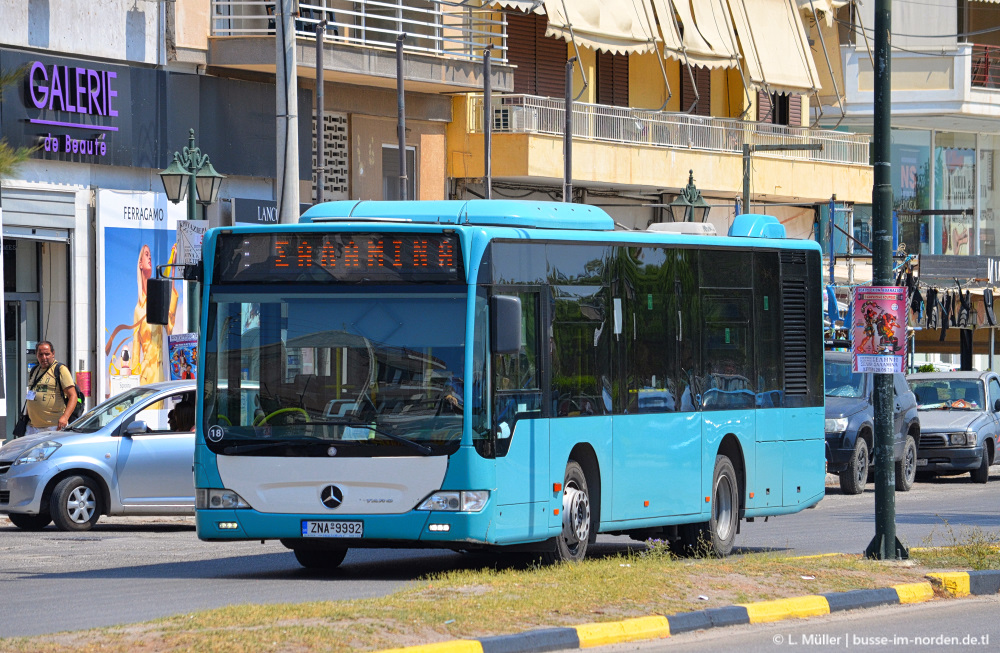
[504,375]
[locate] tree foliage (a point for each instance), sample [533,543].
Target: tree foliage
[10,157]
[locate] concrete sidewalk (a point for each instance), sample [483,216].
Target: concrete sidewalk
[954,584]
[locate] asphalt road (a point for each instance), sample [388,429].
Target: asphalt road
[135,569]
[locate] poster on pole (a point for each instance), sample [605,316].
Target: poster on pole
[183,348]
[190,234]
[137,231]
[878,334]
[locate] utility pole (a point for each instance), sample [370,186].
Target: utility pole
[287,109]
[885,545]
[320,114]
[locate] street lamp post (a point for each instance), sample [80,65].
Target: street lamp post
[689,205]
[190,174]
[202,181]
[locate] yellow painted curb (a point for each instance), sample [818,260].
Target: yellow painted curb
[914,592]
[454,646]
[800,606]
[628,630]
[955,583]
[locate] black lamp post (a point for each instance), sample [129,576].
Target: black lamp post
[193,167]
[689,206]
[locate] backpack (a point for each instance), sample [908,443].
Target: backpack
[78,409]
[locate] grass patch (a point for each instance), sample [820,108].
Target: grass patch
[970,548]
[494,599]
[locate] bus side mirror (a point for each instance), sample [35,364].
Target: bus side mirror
[506,324]
[158,301]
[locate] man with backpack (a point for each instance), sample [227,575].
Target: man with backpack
[51,399]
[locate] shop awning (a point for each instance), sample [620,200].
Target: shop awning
[708,39]
[536,6]
[616,26]
[774,45]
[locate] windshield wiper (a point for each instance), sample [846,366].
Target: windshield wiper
[374,429]
[257,446]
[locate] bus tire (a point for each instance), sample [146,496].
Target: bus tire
[571,544]
[725,518]
[320,558]
[716,536]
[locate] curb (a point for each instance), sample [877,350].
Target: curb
[955,584]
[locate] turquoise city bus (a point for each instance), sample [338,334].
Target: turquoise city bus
[504,375]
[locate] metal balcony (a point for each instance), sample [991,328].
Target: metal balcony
[436,28]
[541,115]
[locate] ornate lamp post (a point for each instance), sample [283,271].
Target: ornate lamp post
[689,206]
[190,174]
[193,167]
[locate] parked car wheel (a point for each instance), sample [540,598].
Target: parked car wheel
[906,468]
[30,522]
[982,475]
[75,505]
[854,478]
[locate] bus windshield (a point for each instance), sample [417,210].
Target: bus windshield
[346,373]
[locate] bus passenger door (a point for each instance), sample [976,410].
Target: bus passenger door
[522,437]
[657,432]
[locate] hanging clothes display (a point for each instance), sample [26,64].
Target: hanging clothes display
[988,305]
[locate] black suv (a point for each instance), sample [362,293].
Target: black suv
[850,425]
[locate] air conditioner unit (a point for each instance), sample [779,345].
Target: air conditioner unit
[515,119]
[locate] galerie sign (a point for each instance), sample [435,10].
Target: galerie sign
[65,95]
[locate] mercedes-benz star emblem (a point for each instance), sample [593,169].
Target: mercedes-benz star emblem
[332,496]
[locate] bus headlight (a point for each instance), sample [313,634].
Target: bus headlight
[219,500]
[465,501]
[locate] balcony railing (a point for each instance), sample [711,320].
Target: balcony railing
[540,115]
[433,27]
[986,66]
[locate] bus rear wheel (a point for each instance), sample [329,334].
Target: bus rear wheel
[571,545]
[320,558]
[716,536]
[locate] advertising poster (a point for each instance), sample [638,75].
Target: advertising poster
[878,333]
[955,189]
[136,233]
[183,349]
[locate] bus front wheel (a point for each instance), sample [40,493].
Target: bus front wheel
[571,545]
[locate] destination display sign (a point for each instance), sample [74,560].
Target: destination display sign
[338,257]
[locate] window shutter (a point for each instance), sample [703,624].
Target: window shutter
[764,112]
[521,50]
[612,79]
[550,62]
[703,82]
[795,110]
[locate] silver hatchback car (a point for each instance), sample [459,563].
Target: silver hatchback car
[131,455]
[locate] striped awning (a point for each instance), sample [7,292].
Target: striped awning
[616,26]
[774,45]
[708,39]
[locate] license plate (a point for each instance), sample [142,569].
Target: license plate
[333,529]
[921,462]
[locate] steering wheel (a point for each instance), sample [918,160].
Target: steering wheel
[287,412]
